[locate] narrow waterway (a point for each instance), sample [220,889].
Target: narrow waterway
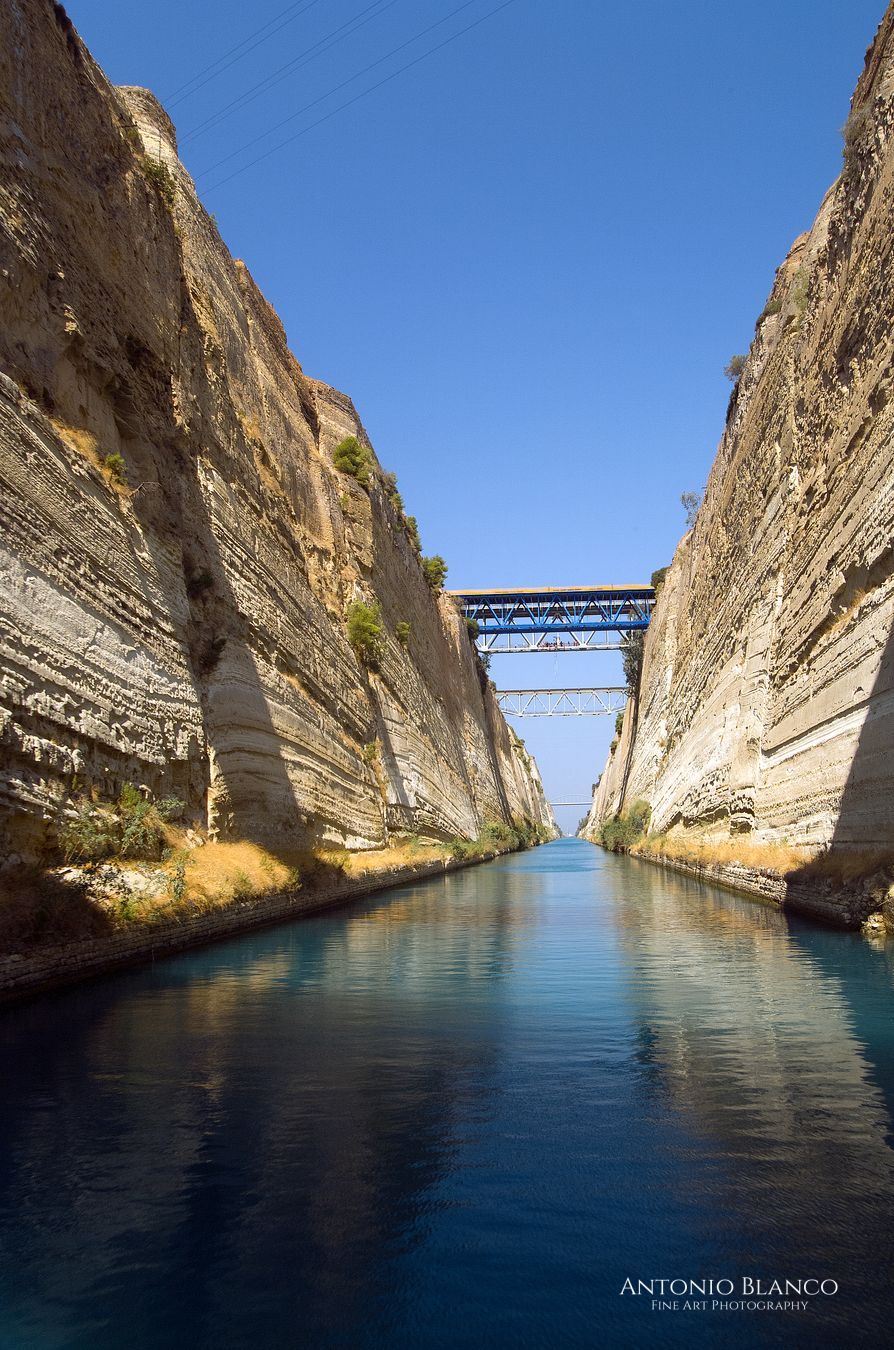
[460,1114]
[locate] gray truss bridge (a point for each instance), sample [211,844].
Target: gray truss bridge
[562,702]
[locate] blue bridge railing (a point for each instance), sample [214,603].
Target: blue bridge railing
[573,618]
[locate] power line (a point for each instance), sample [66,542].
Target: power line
[211,72]
[302,59]
[363,93]
[350,80]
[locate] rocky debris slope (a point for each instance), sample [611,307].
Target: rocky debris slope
[766,703]
[179,554]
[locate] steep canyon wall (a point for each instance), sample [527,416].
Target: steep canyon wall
[766,704]
[176,617]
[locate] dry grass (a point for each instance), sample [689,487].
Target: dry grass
[44,908]
[81,440]
[846,866]
[402,854]
[217,874]
[780,858]
[87,446]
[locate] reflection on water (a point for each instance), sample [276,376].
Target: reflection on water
[459,1115]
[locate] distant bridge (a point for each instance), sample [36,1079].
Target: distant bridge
[557,619]
[561,702]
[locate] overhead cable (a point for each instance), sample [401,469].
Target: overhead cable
[236,53]
[304,58]
[350,80]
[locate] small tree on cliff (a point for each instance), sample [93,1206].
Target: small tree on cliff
[365,632]
[352,458]
[734,367]
[690,502]
[632,660]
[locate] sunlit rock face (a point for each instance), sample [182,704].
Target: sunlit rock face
[177,617]
[767,696]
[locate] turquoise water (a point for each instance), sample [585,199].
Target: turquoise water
[460,1114]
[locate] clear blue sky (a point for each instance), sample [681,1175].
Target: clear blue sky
[527,258]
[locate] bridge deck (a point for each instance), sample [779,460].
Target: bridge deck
[524,616]
[562,702]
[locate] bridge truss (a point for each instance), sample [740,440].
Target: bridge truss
[561,702]
[554,619]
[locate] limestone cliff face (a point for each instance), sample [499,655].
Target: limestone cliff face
[767,695]
[176,618]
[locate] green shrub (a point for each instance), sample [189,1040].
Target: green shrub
[402,632]
[370,752]
[365,631]
[352,458]
[657,579]
[389,482]
[626,828]
[89,835]
[473,628]
[632,659]
[619,722]
[115,467]
[243,887]
[771,307]
[435,571]
[161,178]
[132,828]
[497,834]
[413,534]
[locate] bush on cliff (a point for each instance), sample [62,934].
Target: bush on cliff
[161,178]
[626,828]
[412,529]
[131,828]
[389,483]
[632,660]
[365,632]
[735,366]
[352,458]
[435,571]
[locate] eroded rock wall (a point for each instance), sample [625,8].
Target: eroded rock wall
[176,617]
[767,695]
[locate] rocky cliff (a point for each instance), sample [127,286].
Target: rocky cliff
[766,703]
[179,553]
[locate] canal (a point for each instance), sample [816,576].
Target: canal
[460,1114]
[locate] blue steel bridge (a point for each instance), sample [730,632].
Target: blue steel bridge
[557,619]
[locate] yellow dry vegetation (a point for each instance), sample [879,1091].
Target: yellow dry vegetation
[401,854]
[217,873]
[781,858]
[840,865]
[80,439]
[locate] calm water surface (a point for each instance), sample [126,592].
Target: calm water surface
[458,1115]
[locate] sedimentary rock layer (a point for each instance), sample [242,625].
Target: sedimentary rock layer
[767,696]
[178,551]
